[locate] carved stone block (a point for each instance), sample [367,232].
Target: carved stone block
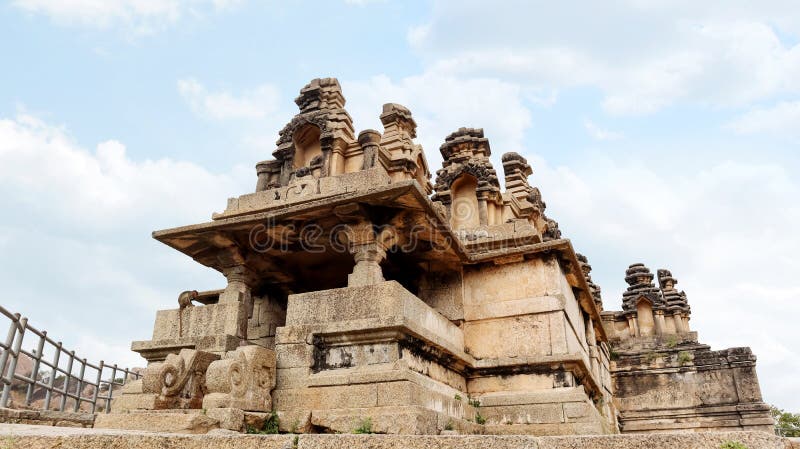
[179,381]
[243,379]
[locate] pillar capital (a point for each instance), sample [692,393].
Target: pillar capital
[368,247]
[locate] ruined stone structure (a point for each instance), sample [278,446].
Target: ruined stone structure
[358,292]
[664,379]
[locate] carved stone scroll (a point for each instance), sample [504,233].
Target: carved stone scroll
[179,381]
[243,379]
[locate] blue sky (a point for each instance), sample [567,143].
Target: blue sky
[663,132]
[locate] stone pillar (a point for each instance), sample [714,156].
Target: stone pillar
[368,249]
[241,280]
[659,322]
[483,210]
[369,140]
[678,320]
[367,271]
[633,329]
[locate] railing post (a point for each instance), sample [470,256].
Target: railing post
[35,371]
[12,331]
[79,388]
[65,393]
[111,388]
[49,393]
[12,366]
[97,387]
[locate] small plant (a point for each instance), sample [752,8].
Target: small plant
[650,357]
[613,355]
[271,426]
[732,445]
[684,357]
[672,341]
[473,402]
[365,427]
[479,419]
[295,442]
[449,425]
[457,397]
[295,426]
[205,412]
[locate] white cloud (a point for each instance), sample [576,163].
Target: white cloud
[643,56]
[598,133]
[79,260]
[137,16]
[253,104]
[781,119]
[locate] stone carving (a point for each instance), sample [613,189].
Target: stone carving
[466,155]
[321,106]
[640,286]
[179,381]
[673,299]
[595,289]
[528,198]
[403,158]
[243,379]
[551,231]
[465,151]
[184,301]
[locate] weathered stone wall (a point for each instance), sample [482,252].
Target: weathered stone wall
[688,387]
[536,373]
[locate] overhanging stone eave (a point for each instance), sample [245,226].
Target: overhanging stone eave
[410,192]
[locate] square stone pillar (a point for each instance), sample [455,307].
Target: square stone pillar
[241,280]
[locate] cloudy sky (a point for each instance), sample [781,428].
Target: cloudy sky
[663,132]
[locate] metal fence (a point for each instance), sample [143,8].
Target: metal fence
[56,373]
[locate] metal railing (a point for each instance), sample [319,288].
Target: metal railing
[62,377]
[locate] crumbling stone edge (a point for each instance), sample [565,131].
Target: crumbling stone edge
[46,418]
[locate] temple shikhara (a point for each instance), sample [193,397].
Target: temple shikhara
[359,293]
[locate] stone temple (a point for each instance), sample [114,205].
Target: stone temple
[360,294]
